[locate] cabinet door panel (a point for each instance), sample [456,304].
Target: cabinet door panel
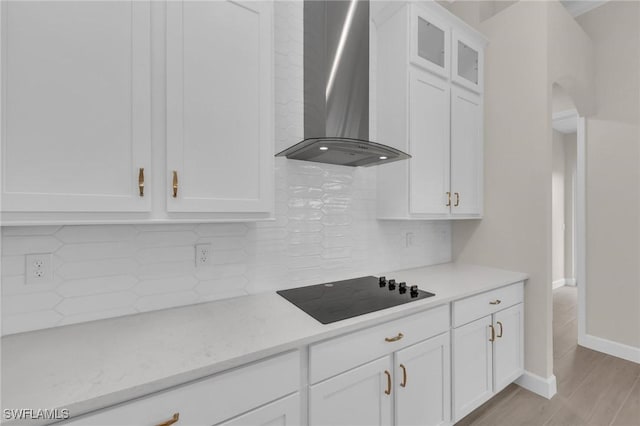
[76,105]
[354,398]
[508,352]
[472,366]
[428,144]
[283,412]
[425,398]
[219,106]
[467,61]
[430,41]
[466,153]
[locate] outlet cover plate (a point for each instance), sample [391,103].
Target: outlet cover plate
[38,268]
[203,255]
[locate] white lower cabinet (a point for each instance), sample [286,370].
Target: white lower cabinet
[283,412]
[395,373]
[361,396]
[488,352]
[423,384]
[217,399]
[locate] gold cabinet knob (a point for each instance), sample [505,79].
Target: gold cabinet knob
[172,420]
[175,184]
[457,194]
[388,391]
[141,181]
[493,333]
[448,199]
[495,302]
[394,338]
[404,376]
[499,332]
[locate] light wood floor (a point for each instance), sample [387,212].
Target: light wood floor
[593,388]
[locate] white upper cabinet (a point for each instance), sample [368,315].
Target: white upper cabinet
[467,61]
[466,153]
[78,114]
[219,106]
[428,143]
[76,100]
[430,41]
[431,108]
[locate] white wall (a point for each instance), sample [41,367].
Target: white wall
[570,157]
[613,175]
[325,229]
[558,210]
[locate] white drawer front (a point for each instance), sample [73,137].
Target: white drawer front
[326,359]
[483,304]
[208,401]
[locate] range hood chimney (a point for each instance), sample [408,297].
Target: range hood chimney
[336,87]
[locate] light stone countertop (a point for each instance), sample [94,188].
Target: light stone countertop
[88,366]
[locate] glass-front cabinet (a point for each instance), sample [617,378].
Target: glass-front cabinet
[467,60]
[430,42]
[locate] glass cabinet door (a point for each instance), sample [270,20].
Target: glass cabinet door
[430,42]
[467,62]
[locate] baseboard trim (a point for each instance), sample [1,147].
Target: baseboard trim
[562,282]
[538,385]
[609,347]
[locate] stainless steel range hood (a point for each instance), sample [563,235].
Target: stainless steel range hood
[336,87]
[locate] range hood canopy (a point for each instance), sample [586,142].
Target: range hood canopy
[336,88]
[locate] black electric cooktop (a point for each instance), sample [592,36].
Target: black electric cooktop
[340,300]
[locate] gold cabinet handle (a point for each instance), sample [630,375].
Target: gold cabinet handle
[495,302]
[493,333]
[499,332]
[172,420]
[448,199]
[388,391]
[141,181]
[175,184]
[395,338]
[457,194]
[404,376]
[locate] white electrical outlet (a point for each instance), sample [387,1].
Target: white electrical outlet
[38,269]
[203,255]
[408,239]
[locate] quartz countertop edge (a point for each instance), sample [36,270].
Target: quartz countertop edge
[89,366]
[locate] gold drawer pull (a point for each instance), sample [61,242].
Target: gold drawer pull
[493,333]
[174,419]
[394,339]
[500,332]
[175,184]
[388,391]
[457,199]
[141,181]
[404,376]
[495,302]
[448,200]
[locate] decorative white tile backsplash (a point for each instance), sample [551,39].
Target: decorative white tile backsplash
[325,229]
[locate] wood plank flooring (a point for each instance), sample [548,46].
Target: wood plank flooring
[594,389]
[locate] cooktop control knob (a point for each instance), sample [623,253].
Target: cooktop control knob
[402,287]
[382,281]
[414,291]
[392,284]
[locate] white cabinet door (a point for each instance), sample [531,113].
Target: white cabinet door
[423,383]
[508,354]
[467,61]
[76,100]
[430,41]
[428,144]
[219,106]
[472,366]
[283,412]
[362,396]
[466,153]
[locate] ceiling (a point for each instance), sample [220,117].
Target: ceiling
[578,7]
